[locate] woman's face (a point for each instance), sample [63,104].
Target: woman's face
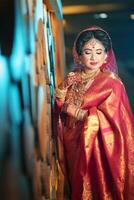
[93,55]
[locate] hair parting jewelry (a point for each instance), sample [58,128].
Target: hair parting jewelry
[93,42]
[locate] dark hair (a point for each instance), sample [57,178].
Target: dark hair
[85,36]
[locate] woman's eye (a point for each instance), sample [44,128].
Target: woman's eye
[99,52]
[87,52]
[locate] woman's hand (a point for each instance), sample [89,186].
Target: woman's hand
[61,90]
[73,111]
[69,80]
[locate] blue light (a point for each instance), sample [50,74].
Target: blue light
[38,14]
[103,15]
[4,100]
[18,52]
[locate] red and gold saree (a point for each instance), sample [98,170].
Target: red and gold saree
[96,155]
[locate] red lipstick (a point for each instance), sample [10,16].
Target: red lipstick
[93,63]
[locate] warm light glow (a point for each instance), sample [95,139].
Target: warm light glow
[64,22]
[132,16]
[76,9]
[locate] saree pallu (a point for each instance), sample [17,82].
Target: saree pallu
[97,155]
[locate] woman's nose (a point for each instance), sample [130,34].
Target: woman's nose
[92,56]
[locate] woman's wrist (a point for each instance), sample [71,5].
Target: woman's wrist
[81,114]
[60,94]
[72,110]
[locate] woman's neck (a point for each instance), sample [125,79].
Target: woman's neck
[90,71]
[89,74]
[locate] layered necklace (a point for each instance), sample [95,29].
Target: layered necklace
[86,77]
[78,89]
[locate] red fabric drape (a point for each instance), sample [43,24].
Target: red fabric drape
[97,155]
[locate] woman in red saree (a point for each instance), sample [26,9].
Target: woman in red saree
[94,123]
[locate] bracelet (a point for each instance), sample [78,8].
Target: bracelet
[81,114]
[76,112]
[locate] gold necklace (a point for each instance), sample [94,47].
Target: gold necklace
[86,76]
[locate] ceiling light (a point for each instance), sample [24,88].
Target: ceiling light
[132,16]
[101,16]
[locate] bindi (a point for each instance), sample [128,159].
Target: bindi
[93,42]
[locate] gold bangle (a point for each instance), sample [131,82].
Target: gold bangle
[76,113]
[81,114]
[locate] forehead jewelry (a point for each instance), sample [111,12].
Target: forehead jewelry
[93,42]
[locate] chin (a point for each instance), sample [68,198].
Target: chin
[92,68]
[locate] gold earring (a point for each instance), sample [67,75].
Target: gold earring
[105,59]
[80,62]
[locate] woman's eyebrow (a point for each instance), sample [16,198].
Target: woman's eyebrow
[87,49]
[99,49]
[91,49]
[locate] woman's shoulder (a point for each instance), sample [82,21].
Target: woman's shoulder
[69,79]
[74,75]
[111,80]
[111,76]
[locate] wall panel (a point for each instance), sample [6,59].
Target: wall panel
[31,56]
